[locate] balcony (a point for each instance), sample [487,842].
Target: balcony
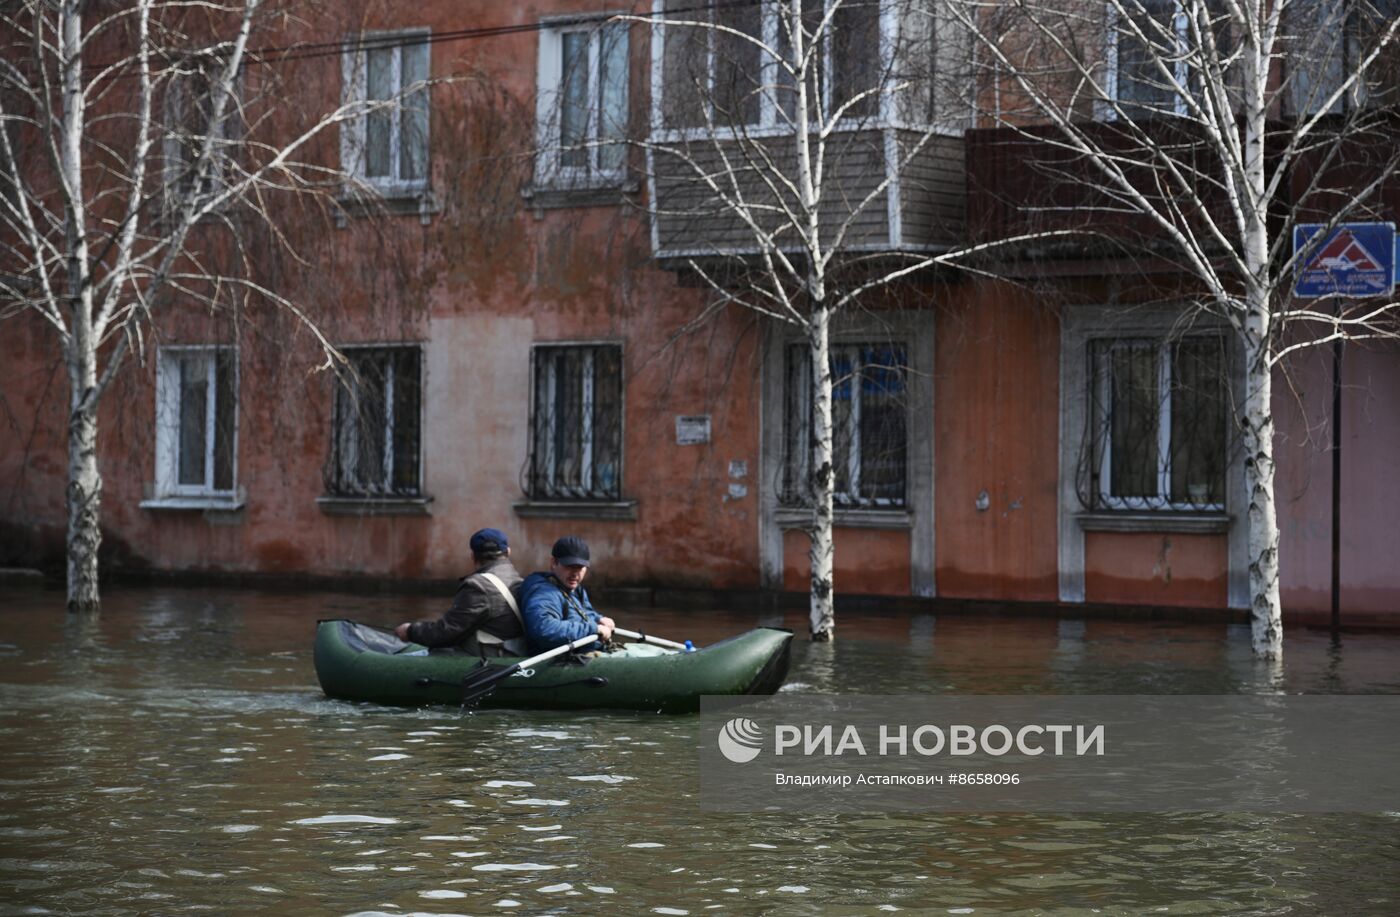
[723,161]
[919,209]
[1025,181]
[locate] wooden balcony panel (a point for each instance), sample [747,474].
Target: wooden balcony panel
[932,191]
[1022,183]
[692,220]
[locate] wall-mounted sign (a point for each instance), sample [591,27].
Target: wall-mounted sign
[1354,260]
[692,429]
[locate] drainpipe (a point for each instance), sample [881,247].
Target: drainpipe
[1337,484]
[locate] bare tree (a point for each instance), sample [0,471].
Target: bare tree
[1205,131]
[804,158]
[145,145]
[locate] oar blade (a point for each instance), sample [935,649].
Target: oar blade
[483,679]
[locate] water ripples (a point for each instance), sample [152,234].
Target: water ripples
[137,778]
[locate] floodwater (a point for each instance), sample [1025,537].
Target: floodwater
[175,755]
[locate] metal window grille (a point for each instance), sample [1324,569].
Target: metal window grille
[1160,423]
[576,447]
[870,431]
[376,437]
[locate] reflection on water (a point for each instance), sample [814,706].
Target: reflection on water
[175,755]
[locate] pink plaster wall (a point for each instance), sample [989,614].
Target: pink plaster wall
[1370,508]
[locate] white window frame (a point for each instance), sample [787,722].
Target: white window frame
[549,167]
[1181,70]
[770,123]
[544,453]
[355,89]
[1162,501]
[912,329]
[168,422]
[1080,325]
[341,439]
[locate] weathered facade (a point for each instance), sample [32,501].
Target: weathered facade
[516,317]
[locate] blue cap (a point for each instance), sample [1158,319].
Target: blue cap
[571,551]
[489,541]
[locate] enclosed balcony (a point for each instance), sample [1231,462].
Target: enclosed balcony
[884,116]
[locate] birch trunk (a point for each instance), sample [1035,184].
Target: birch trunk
[84,484]
[84,481]
[823,619]
[1258,426]
[1267,630]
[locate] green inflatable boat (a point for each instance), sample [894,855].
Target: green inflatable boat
[359,662]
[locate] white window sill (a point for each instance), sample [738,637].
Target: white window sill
[794,517]
[224,503]
[608,510]
[374,506]
[593,191]
[1209,522]
[395,200]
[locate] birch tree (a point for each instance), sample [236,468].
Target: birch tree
[1214,126]
[144,143]
[783,135]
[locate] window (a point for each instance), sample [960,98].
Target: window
[712,73]
[190,100]
[376,436]
[1156,51]
[387,147]
[196,421]
[576,448]
[1159,413]
[1327,41]
[582,103]
[869,425]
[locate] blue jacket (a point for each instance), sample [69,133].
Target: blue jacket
[552,616]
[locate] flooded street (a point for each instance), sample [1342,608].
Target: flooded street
[176,755]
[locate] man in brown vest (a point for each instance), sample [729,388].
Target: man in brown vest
[484,618]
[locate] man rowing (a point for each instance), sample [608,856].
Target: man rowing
[555,604]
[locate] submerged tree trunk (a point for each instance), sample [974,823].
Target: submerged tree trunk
[1259,330]
[84,482]
[84,488]
[1258,428]
[823,619]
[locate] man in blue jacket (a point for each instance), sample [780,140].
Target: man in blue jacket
[555,605]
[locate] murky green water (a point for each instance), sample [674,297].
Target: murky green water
[175,755]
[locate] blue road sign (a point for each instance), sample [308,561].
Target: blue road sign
[1356,260]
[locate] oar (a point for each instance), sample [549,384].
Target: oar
[686,647]
[483,680]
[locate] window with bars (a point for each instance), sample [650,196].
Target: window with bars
[387,147]
[196,421]
[870,432]
[1160,415]
[582,103]
[376,443]
[576,423]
